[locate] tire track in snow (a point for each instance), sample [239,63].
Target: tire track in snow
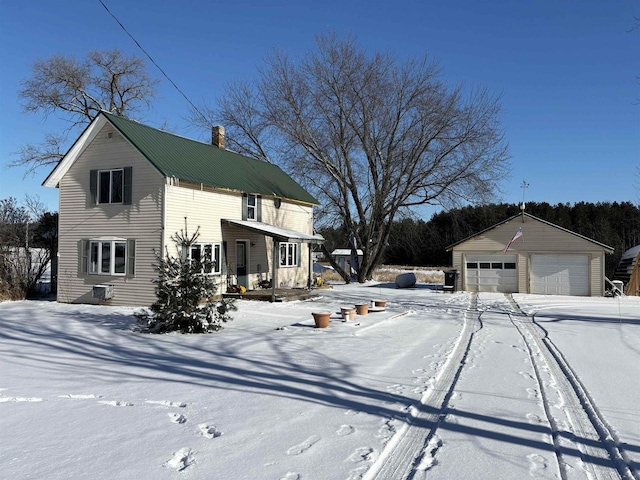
[594,438]
[413,448]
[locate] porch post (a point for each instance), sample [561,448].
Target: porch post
[273,270]
[309,277]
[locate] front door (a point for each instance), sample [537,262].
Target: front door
[241,262]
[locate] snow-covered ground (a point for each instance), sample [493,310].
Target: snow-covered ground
[443,386]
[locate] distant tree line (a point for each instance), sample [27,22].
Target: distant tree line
[424,243]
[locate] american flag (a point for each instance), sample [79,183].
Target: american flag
[515,237]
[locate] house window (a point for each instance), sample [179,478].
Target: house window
[107,257]
[208,254]
[288,254]
[110,186]
[251,207]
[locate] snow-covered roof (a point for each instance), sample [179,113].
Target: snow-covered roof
[279,233]
[341,252]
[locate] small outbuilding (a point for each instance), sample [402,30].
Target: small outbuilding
[525,254]
[344,259]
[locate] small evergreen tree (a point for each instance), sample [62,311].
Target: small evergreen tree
[185,295]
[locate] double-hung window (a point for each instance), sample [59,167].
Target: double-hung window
[108,257]
[208,254]
[288,254]
[113,186]
[110,186]
[251,207]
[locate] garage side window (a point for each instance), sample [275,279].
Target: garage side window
[509,266]
[472,265]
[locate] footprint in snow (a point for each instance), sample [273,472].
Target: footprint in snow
[537,465]
[166,403]
[362,454]
[177,418]
[116,403]
[351,412]
[209,431]
[291,476]
[345,430]
[20,399]
[304,446]
[396,388]
[526,375]
[533,418]
[181,459]
[532,392]
[88,396]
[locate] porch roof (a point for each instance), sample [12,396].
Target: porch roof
[278,233]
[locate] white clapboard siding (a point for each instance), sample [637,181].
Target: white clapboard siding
[200,207]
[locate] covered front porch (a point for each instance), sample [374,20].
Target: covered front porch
[264,255]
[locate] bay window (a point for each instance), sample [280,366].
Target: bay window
[108,257]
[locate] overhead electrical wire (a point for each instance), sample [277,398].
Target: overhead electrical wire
[154,62]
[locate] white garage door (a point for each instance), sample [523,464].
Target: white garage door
[560,274]
[491,273]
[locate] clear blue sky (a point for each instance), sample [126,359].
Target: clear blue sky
[568,71]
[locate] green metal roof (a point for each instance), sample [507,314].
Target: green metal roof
[198,162]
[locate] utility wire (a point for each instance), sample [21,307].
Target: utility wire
[154,62]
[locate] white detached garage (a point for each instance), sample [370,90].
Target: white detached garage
[525,254]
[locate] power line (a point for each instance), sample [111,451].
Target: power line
[154,62]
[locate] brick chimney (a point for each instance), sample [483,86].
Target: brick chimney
[217,136]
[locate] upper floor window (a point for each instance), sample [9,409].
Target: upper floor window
[111,186]
[251,207]
[208,254]
[288,254]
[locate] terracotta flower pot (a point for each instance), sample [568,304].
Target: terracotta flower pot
[362,308]
[321,319]
[380,303]
[348,313]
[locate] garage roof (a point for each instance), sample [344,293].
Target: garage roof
[607,248]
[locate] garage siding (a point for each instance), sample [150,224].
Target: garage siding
[538,238]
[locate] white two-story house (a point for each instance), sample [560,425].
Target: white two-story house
[126,189]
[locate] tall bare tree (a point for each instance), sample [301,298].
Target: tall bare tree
[370,135]
[78,90]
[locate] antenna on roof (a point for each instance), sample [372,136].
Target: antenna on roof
[524,185]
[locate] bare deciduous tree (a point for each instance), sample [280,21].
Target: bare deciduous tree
[28,241]
[106,80]
[369,135]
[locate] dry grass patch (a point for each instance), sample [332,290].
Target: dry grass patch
[388,274]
